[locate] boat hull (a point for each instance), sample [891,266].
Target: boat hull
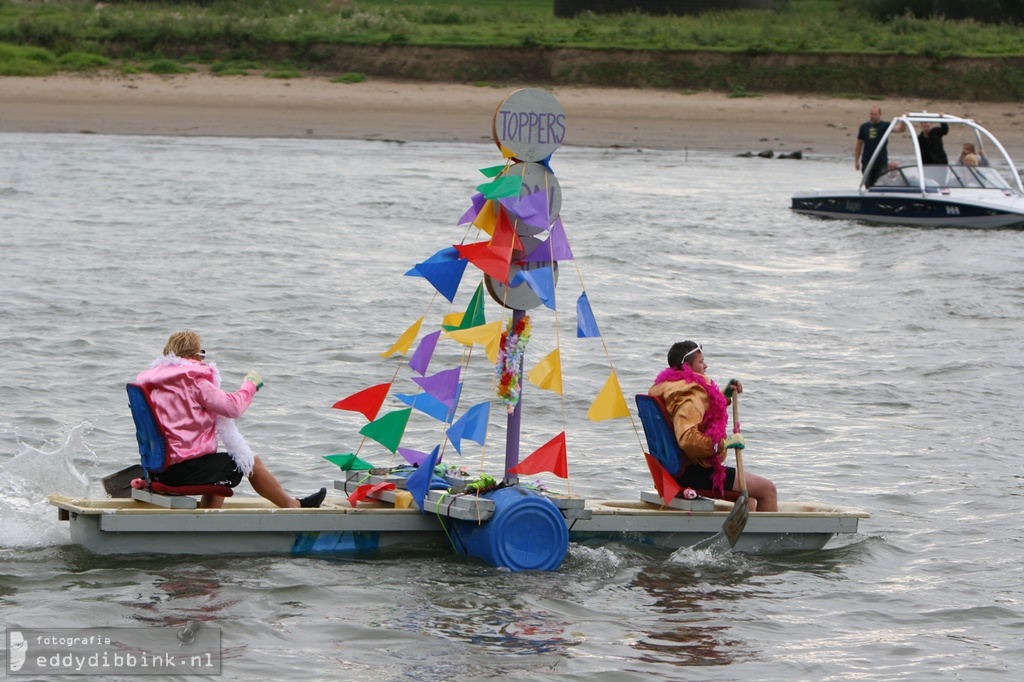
[912,209]
[253,527]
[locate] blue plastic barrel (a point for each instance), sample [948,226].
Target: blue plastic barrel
[526,533]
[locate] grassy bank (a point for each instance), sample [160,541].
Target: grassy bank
[828,41]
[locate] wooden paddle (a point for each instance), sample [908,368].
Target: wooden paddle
[736,521]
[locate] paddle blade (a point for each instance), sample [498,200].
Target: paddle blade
[736,521]
[120,484]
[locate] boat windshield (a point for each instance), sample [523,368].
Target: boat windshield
[944,177]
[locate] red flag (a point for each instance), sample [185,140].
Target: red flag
[505,239]
[482,255]
[667,486]
[367,401]
[548,457]
[368,489]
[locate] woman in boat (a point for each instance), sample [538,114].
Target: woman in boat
[969,150]
[193,412]
[699,411]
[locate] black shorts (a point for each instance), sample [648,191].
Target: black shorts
[699,478]
[214,469]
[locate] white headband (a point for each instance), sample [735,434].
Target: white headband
[690,353]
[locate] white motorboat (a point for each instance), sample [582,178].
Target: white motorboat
[925,195]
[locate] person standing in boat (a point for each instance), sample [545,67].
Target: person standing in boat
[868,138]
[933,151]
[699,411]
[194,412]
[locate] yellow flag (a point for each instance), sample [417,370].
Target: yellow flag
[453,319]
[487,335]
[610,403]
[548,373]
[486,219]
[405,340]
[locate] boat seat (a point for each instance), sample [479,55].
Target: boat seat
[154,452]
[661,440]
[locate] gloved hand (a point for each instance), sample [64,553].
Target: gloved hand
[735,441]
[254,378]
[731,388]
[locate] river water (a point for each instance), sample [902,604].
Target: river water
[882,371]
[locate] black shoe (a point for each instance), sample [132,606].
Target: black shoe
[314,500]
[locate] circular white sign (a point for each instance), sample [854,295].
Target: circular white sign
[530,124]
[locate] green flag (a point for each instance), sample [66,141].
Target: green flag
[348,462]
[474,316]
[388,429]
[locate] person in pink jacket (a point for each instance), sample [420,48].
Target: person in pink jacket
[195,414]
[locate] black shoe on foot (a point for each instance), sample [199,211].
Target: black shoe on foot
[314,500]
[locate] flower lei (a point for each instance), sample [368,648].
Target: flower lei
[509,367]
[713,426]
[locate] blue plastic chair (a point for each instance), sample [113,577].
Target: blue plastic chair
[661,436]
[153,449]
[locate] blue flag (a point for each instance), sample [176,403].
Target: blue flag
[419,482]
[472,425]
[586,325]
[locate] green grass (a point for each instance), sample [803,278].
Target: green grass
[236,37]
[350,77]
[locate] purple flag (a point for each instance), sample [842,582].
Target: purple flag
[444,385]
[532,209]
[414,457]
[586,325]
[420,360]
[474,210]
[555,248]
[472,425]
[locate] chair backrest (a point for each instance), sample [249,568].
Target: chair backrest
[152,441]
[661,436]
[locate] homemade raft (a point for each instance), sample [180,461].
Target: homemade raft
[423,501]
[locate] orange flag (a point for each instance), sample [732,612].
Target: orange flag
[367,401]
[667,486]
[548,457]
[609,403]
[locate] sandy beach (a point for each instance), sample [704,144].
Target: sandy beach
[253,106]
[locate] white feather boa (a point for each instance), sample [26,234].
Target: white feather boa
[227,430]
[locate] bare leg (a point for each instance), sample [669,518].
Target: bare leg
[264,483]
[211,502]
[762,493]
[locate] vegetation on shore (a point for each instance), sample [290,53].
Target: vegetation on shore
[292,36]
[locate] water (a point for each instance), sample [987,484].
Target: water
[881,368]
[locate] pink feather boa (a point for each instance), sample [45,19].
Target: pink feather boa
[716,419]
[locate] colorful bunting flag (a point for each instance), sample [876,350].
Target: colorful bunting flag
[505,239]
[444,385]
[609,404]
[531,209]
[548,457]
[487,259]
[444,276]
[474,315]
[420,360]
[548,373]
[431,406]
[586,325]
[555,248]
[507,186]
[541,281]
[405,340]
[367,489]
[388,429]
[414,457]
[444,255]
[667,486]
[471,426]
[470,215]
[349,462]
[492,171]
[487,218]
[487,335]
[419,482]
[367,401]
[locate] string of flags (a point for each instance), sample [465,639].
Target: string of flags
[497,208]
